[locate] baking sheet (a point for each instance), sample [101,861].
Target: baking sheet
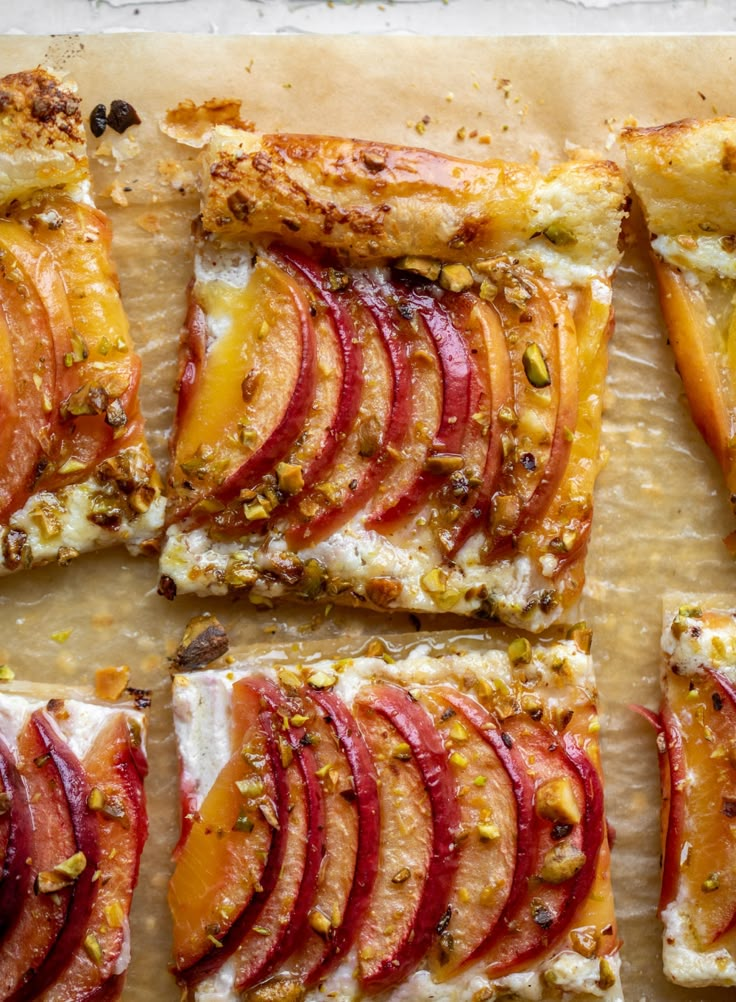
[661,510]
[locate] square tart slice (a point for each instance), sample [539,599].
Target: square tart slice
[684,175]
[418,821]
[75,470]
[697,744]
[72,828]
[391,378]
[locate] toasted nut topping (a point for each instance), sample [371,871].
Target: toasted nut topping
[319,922]
[455,277]
[401,876]
[321,680]
[555,801]
[427,267]
[290,478]
[520,651]
[488,831]
[535,366]
[561,863]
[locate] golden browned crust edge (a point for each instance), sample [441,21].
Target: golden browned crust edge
[373,201]
[42,141]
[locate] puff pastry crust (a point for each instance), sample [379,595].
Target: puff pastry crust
[76,470]
[697,728]
[73,825]
[684,174]
[412,348]
[454,858]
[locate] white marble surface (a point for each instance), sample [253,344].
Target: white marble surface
[442,17]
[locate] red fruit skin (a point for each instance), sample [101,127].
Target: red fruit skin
[76,790]
[524,794]
[351,387]
[366,793]
[213,961]
[414,723]
[15,875]
[282,947]
[330,518]
[517,941]
[460,392]
[292,420]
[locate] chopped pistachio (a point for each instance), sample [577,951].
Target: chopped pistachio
[584,940]
[442,463]
[401,751]
[267,810]
[455,277]
[92,948]
[6,673]
[115,915]
[559,235]
[459,760]
[607,975]
[96,799]
[401,876]
[62,875]
[480,781]
[561,863]
[535,366]
[488,831]
[252,787]
[321,680]
[427,267]
[243,822]
[255,511]
[289,681]
[203,641]
[520,651]
[458,732]
[711,883]
[555,801]
[319,922]
[290,478]
[71,465]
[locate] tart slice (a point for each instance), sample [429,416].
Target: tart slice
[72,828]
[698,757]
[684,175]
[422,821]
[391,378]
[75,470]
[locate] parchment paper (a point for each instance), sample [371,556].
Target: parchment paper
[661,509]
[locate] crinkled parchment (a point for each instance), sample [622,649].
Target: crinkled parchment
[661,510]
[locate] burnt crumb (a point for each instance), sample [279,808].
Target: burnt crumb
[98,120]
[167,587]
[507,739]
[717,701]
[122,115]
[444,921]
[729,807]
[141,697]
[204,641]
[528,461]
[560,831]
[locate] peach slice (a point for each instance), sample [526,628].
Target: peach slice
[495,801]
[236,422]
[116,796]
[220,865]
[419,830]
[699,721]
[86,847]
[16,839]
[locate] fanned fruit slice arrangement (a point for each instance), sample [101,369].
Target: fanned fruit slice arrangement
[416,823]
[697,745]
[75,470]
[391,379]
[72,828]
